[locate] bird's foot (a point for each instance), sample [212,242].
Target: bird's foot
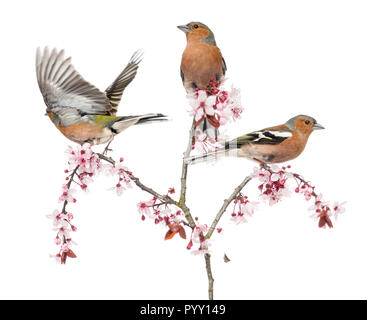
[264,166]
[106,150]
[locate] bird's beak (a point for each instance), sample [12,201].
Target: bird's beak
[317,126]
[184,28]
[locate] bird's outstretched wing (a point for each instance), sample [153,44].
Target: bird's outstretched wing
[272,136]
[64,90]
[116,89]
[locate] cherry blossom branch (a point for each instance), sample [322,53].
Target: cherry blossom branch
[105,158]
[297,176]
[165,198]
[225,205]
[219,107]
[67,252]
[71,179]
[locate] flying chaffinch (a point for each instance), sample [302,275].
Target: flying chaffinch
[271,145]
[201,63]
[77,108]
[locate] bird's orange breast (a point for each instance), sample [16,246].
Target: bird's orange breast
[200,63]
[82,131]
[287,150]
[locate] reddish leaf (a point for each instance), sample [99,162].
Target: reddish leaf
[325,220]
[70,254]
[322,222]
[63,258]
[170,234]
[328,221]
[182,232]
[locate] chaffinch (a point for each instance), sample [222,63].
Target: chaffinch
[271,145]
[201,63]
[77,108]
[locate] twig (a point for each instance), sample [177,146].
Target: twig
[71,179]
[210,275]
[297,176]
[182,202]
[164,198]
[105,158]
[136,180]
[225,206]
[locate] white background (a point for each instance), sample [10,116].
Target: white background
[287,57]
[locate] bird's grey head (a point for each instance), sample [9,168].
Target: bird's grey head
[303,121]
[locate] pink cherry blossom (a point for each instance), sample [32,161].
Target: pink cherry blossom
[204,144]
[338,209]
[199,229]
[145,207]
[273,185]
[219,106]
[123,174]
[84,165]
[243,208]
[67,194]
[262,175]
[84,157]
[203,248]
[201,104]
[229,105]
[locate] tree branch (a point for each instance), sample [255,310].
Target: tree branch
[165,198]
[71,179]
[297,176]
[182,201]
[225,206]
[210,275]
[185,165]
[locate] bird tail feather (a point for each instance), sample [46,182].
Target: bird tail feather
[152,117]
[229,149]
[122,123]
[207,157]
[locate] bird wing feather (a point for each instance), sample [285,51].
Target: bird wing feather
[266,136]
[64,90]
[116,89]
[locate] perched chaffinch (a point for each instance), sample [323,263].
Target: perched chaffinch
[201,62]
[77,108]
[271,145]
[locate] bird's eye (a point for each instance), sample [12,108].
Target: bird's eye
[307,122]
[195,26]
